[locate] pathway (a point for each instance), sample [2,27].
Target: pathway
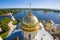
[12,27]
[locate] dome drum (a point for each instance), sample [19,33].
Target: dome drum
[30,29]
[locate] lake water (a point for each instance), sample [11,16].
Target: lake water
[41,15]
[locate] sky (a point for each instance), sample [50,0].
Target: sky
[51,4]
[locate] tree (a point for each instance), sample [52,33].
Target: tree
[46,11]
[4,27]
[7,20]
[15,22]
[4,24]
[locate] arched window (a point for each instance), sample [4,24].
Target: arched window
[29,36]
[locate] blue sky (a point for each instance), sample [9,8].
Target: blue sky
[53,4]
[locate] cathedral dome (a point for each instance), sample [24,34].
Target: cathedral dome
[30,20]
[30,23]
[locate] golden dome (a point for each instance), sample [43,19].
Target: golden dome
[30,23]
[48,26]
[30,20]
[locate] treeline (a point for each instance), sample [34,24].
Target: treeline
[5,28]
[46,10]
[7,11]
[42,9]
[15,10]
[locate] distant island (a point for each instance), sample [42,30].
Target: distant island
[4,12]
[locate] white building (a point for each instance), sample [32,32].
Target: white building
[32,29]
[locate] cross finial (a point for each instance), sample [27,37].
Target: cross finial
[30,6]
[30,9]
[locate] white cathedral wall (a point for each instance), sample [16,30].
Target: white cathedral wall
[33,34]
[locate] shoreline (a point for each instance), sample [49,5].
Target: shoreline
[6,14]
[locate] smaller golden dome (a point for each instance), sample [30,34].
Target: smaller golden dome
[48,26]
